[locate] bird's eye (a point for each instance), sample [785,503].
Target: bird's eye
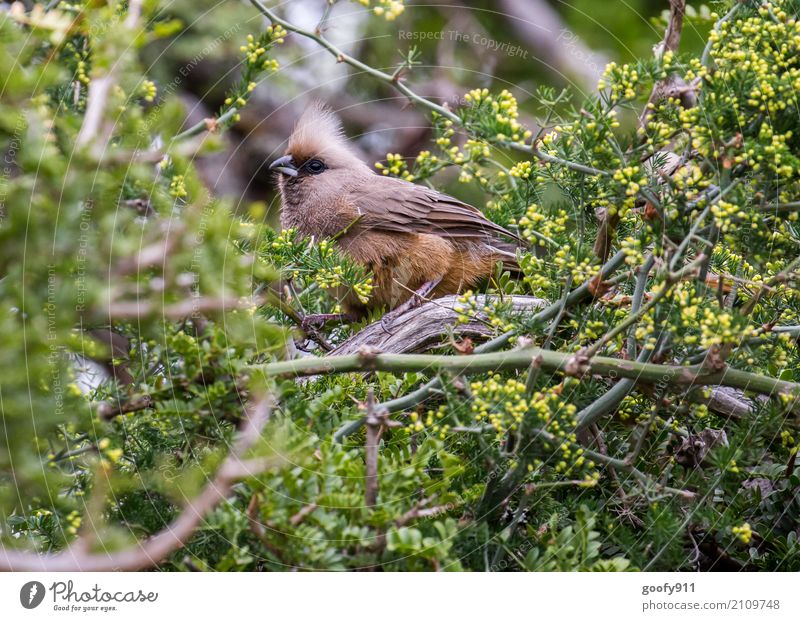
[315,167]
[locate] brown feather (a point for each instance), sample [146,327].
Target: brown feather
[404,233]
[396,205]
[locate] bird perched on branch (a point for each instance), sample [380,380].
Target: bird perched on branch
[417,242]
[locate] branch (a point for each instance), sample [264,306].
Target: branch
[553,361]
[107,410]
[152,551]
[727,402]
[180,310]
[210,124]
[706,57]
[609,401]
[672,38]
[374,422]
[342,57]
[777,208]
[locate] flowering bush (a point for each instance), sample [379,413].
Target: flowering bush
[645,418]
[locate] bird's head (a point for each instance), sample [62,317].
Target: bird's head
[318,157]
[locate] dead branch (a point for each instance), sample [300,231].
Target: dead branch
[672,39]
[425,327]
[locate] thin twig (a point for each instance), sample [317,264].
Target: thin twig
[106,410]
[206,125]
[374,431]
[273,299]
[704,59]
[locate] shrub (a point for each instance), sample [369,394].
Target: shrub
[646,418]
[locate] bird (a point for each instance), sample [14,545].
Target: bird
[416,242]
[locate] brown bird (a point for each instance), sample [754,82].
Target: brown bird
[413,239]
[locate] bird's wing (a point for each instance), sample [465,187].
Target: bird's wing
[395,205]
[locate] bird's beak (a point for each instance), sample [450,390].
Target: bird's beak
[284,165]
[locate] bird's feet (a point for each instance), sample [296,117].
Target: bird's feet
[311,325]
[312,322]
[417,298]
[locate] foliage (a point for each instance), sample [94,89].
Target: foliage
[104,223]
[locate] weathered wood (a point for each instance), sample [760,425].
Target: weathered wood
[726,401]
[428,326]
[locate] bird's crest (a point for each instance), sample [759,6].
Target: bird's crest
[318,133]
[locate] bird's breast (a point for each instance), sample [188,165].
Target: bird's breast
[315,216]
